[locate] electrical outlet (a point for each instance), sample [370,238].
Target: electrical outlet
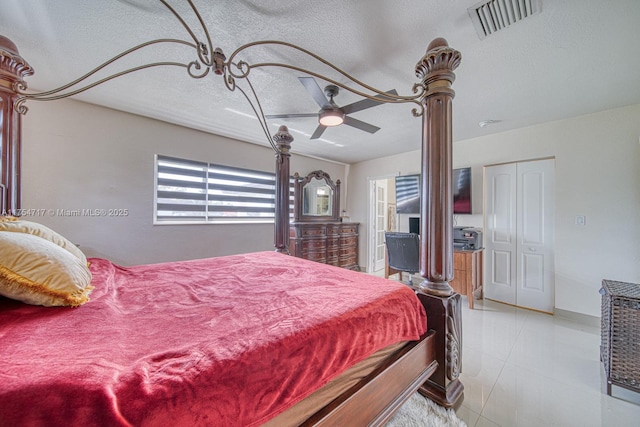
[581,220]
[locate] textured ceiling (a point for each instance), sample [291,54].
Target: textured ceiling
[576,57]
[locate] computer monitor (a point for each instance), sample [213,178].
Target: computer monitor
[414,225]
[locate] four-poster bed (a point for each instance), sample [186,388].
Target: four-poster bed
[425,360]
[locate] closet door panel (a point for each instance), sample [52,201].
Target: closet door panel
[500,232]
[535,206]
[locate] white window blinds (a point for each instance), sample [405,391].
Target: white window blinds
[195,192]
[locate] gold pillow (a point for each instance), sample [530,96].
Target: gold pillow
[36,271]
[21,226]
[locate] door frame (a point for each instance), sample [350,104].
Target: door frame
[371,200]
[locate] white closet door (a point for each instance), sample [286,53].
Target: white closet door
[500,232]
[535,230]
[519,229]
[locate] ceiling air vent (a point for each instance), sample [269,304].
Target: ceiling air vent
[490,16]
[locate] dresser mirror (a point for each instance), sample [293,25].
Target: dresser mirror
[316,198]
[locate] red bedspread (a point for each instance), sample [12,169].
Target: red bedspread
[217,342]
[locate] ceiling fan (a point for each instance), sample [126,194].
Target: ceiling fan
[330,113]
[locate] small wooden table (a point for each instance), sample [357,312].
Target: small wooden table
[467,273]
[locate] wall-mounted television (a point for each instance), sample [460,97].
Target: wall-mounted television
[462,191]
[408,192]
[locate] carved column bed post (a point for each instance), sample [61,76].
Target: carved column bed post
[436,227]
[13,70]
[283,140]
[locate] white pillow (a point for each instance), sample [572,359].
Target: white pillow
[36,271]
[14,224]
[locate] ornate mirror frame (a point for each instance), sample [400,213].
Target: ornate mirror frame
[298,195]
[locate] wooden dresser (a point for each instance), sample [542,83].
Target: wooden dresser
[317,232]
[333,243]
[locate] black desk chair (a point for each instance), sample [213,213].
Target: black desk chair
[403,251]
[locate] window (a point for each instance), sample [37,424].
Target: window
[196,192]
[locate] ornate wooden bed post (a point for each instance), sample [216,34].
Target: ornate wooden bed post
[283,140]
[436,223]
[13,69]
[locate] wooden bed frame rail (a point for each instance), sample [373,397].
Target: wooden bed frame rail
[385,389]
[430,366]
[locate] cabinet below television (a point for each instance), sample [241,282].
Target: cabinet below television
[333,243]
[467,274]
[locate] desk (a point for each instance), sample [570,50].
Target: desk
[467,273]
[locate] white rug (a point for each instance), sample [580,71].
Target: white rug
[419,411]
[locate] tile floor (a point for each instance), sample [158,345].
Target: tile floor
[524,368]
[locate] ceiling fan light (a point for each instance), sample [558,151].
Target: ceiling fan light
[331,118]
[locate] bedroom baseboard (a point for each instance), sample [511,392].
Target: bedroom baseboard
[585,319]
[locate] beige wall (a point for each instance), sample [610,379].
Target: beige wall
[81,156]
[597,175]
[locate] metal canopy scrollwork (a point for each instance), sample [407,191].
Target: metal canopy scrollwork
[210,59]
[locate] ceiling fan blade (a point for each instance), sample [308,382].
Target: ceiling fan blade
[365,103]
[318,132]
[315,91]
[360,125]
[290,116]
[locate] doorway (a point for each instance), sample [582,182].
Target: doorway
[381,197]
[519,232]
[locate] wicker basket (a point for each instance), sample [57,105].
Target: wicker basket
[620,334]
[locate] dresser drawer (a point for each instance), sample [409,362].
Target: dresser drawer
[333,252]
[314,245]
[349,229]
[314,256]
[347,251]
[313,231]
[350,241]
[335,261]
[333,230]
[348,261]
